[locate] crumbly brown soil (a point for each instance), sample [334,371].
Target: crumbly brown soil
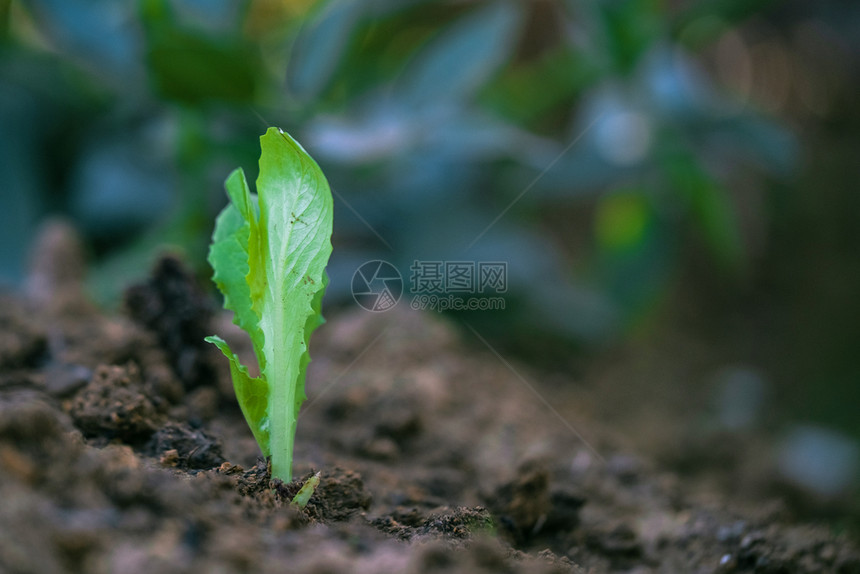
[122,450]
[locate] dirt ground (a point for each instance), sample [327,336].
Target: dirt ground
[122,450]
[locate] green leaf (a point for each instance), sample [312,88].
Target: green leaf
[269,257]
[229,257]
[295,226]
[251,392]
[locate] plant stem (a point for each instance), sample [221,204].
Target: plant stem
[281,375]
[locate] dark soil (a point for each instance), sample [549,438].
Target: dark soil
[122,450]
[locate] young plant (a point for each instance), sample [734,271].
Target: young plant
[269,253]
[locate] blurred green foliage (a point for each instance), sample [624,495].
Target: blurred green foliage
[430,119]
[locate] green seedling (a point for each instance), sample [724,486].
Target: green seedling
[303,496]
[269,252]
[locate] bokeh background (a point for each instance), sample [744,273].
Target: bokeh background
[677,181]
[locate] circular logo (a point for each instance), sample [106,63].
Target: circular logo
[377,286]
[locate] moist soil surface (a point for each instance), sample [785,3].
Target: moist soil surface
[122,450]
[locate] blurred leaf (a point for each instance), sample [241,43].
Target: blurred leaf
[631,28]
[727,12]
[464,56]
[525,92]
[582,172]
[635,255]
[319,47]
[711,209]
[425,138]
[155,12]
[44,101]
[5,6]
[621,221]
[756,139]
[471,136]
[97,32]
[375,133]
[676,87]
[118,189]
[23,180]
[211,16]
[194,67]
[267,18]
